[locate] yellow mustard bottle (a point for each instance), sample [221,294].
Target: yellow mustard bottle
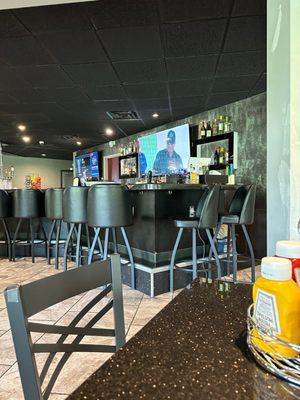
[277,306]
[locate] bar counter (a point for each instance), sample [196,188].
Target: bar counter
[195,348]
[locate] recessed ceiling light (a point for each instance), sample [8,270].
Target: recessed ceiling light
[22,127]
[43,155]
[155,115]
[109,131]
[26,139]
[41,142]
[78,143]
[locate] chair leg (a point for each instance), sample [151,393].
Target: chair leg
[8,239]
[228,251]
[32,239]
[234,253]
[248,240]
[132,265]
[194,252]
[78,258]
[92,248]
[57,239]
[53,224]
[88,237]
[15,239]
[114,235]
[71,229]
[100,244]
[106,244]
[215,253]
[217,230]
[172,263]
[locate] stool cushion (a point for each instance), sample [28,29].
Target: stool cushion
[229,219]
[187,223]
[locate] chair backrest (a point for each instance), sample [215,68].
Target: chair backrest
[26,300]
[5,204]
[237,202]
[247,213]
[109,206]
[208,216]
[75,204]
[201,202]
[53,203]
[28,203]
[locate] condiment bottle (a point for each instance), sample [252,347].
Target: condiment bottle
[277,306]
[290,249]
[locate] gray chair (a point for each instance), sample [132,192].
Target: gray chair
[26,300]
[54,212]
[109,207]
[28,205]
[241,212]
[207,219]
[6,212]
[75,214]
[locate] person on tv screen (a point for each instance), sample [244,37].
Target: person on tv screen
[167,161]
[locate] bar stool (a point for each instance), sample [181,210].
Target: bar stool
[6,212]
[206,218]
[28,204]
[54,212]
[75,214]
[241,212]
[109,207]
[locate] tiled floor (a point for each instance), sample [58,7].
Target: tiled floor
[139,309]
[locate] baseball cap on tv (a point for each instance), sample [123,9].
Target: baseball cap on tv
[171,137]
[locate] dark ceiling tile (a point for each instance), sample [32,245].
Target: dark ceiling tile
[151,104]
[146,90]
[44,76]
[141,71]
[10,26]
[187,112]
[72,94]
[5,98]
[116,13]
[176,11]
[113,105]
[246,33]
[188,88]
[130,127]
[245,63]
[194,38]
[112,92]
[135,43]
[24,51]
[52,18]
[220,99]
[260,86]
[74,46]
[28,95]
[249,7]
[91,74]
[9,79]
[195,102]
[146,116]
[32,117]
[236,83]
[191,67]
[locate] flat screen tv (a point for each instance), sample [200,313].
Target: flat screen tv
[128,166]
[165,152]
[88,166]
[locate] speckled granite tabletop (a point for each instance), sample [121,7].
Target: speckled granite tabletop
[195,348]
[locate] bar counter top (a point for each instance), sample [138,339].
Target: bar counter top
[195,348]
[174,186]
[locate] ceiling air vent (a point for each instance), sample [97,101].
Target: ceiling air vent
[123,115]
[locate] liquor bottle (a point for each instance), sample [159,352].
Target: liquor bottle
[220,125]
[221,155]
[215,127]
[227,125]
[216,156]
[202,131]
[208,130]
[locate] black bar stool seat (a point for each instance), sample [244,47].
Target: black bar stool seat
[54,212]
[28,204]
[6,212]
[75,214]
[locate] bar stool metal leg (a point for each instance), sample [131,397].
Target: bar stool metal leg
[215,253]
[57,239]
[234,253]
[100,244]
[88,238]
[194,253]
[172,263]
[106,243]
[72,226]
[49,241]
[228,252]
[78,258]
[92,248]
[248,240]
[8,238]
[114,235]
[32,239]
[15,239]
[217,230]
[132,265]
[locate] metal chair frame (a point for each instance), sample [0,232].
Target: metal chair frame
[26,300]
